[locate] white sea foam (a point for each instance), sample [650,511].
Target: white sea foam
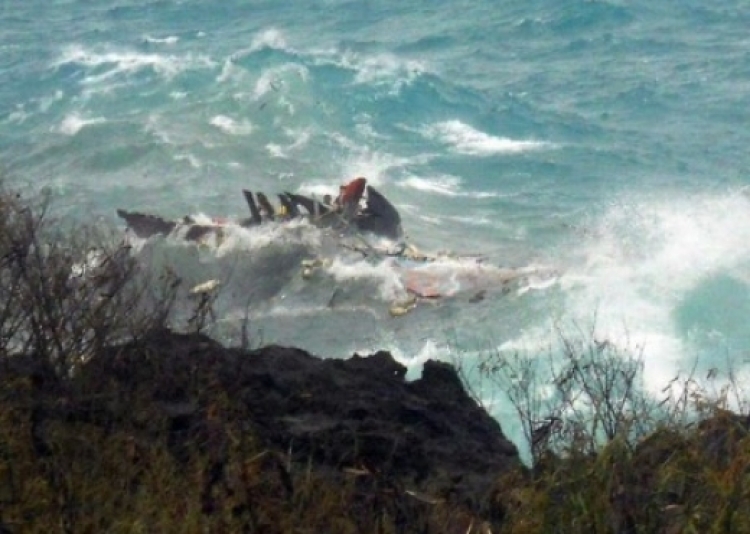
[430,350]
[359,161]
[472,220]
[441,185]
[537,283]
[383,68]
[125,61]
[446,185]
[45,103]
[228,71]
[378,69]
[231,126]
[275,151]
[465,139]
[193,160]
[389,283]
[18,115]
[290,310]
[269,38]
[269,236]
[487,194]
[169,40]
[154,127]
[389,70]
[435,221]
[184,133]
[365,129]
[277,78]
[74,123]
[300,139]
[374,165]
[642,258]
[298,232]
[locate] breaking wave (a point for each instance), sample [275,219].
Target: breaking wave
[467,140]
[105,63]
[74,123]
[231,126]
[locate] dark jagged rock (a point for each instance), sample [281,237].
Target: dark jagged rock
[427,435]
[361,411]
[403,447]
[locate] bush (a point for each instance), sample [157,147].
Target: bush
[68,291]
[608,457]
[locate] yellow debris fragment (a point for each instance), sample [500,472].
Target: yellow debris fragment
[399,309]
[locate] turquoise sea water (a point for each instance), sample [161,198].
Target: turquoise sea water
[603,141]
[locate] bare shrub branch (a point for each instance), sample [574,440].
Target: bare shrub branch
[68,291]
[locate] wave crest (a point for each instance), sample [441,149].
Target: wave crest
[465,139]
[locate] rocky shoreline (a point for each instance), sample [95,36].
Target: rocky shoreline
[173,432]
[355,414]
[422,443]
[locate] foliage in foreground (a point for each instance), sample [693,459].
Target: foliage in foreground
[608,457]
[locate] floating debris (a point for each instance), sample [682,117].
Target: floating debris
[205,287]
[399,309]
[309,266]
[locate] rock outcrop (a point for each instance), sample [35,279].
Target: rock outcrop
[361,414]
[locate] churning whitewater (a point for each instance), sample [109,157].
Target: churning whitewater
[596,149]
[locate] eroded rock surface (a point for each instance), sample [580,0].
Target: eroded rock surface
[359,413]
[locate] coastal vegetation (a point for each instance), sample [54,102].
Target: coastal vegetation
[606,455]
[118,415]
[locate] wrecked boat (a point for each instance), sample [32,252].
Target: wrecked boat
[358,207]
[358,210]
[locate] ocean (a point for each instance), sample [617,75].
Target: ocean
[598,147]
